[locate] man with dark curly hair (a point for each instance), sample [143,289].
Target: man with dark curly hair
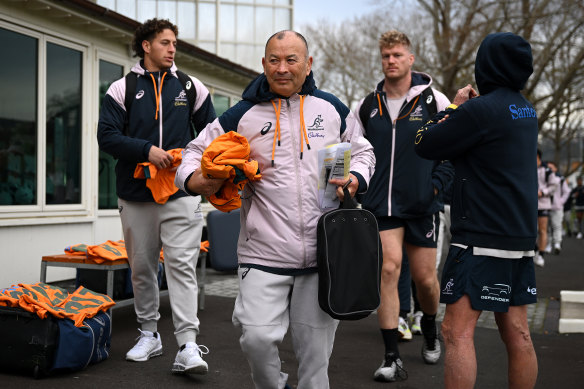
[153,133]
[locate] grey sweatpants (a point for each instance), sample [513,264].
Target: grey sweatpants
[176,227]
[267,304]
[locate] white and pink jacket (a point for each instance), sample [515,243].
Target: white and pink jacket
[279,213]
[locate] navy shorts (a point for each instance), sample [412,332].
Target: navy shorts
[493,284]
[421,232]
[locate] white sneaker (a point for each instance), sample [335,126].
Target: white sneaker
[431,357]
[149,345]
[417,323]
[557,249]
[189,359]
[548,248]
[404,330]
[391,369]
[538,260]
[579,236]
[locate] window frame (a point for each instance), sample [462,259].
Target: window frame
[104,55]
[27,214]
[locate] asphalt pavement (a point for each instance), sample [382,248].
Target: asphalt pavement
[357,352]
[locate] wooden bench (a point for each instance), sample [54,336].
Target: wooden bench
[82,262]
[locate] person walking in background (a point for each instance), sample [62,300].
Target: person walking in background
[404,194]
[491,141]
[559,198]
[154,131]
[547,182]
[577,195]
[286,120]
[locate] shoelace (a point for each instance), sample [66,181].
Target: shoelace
[199,348]
[400,372]
[143,335]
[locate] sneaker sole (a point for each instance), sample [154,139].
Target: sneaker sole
[181,369]
[405,337]
[153,354]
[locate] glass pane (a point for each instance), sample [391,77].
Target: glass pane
[221,103]
[244,24]
[127,8]
[167,10]
[282,20]
[18,120]
[227,23]
[146,10]
[206,22]
[108,73]
[264,24]
[245,55]
[111,4]
[227,51]
[186,20]
[63,160]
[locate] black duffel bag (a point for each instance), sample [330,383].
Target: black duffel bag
[349,261]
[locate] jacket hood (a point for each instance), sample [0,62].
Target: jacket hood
[140,69]
[258,90]
[420,81]
[503,60]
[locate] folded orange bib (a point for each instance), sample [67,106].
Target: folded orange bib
[228,157]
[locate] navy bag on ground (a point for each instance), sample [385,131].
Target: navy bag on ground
[349,261]
[79,347]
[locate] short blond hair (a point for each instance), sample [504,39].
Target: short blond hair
[392,38]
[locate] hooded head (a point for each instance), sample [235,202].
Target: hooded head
[503,60]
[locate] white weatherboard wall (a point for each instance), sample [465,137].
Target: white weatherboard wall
[571,311]
[27,236]
[24,246]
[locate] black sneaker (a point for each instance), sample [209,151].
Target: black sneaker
[391,369]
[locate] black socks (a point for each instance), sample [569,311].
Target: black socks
[390,338]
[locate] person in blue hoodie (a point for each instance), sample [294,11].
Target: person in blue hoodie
[491,140]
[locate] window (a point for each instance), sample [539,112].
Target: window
[221,103]
[63,125]
[41,119]
[108,73]
[18,120]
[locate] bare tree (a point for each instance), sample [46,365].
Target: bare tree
[445,36]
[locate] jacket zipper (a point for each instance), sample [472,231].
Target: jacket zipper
[298,181]
[160,115]
[392,160]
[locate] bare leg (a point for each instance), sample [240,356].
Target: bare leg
[522,360]
[542,224]
[423,269]
[388,312]
[460,363]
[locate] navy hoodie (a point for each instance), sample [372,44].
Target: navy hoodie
[492,141]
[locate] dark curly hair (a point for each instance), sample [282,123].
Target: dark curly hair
[148,31]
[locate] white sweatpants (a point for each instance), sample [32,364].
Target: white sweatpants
[556,218]
[267,304]
[176,227]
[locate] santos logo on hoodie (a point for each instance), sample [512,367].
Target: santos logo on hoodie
[522,113]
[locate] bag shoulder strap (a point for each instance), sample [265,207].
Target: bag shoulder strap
[191,92]
[430,101]
[365,109]
[131,81]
